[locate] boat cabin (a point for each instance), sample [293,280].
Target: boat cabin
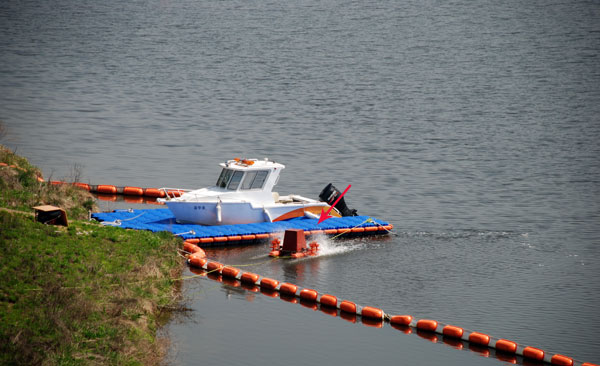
[249,175]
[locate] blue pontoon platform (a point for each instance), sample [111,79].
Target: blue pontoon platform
[163,220]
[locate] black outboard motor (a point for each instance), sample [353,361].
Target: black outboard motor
[330,194]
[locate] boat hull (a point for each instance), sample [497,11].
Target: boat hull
[234,213]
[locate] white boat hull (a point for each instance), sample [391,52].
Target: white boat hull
[233,213]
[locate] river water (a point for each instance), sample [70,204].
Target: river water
[472,127]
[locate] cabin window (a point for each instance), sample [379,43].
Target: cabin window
[255,179]
[224,178]
[235,180]
[247,183]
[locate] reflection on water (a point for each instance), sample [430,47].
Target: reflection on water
[248,292]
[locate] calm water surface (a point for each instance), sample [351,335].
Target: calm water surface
[473,127]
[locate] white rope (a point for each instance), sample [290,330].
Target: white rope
[117,222]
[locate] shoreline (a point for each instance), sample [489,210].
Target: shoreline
[83,294]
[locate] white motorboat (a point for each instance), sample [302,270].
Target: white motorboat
[244,194]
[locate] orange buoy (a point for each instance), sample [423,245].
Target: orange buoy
[133,191]
[248,277]
[206,240]
[82,185]
[308,294]
[192,241]
[561,360]
[358,230]
[505,345]
[262,236]
[234,238]
[588,364]
[108,189]
[269,283]
[371,228]
[452,331]
[189,247]
[288,289]
[533,353]
[230,272]
[328,300]
[426,324]
[479,338]
[330,231]
[214,267]
[249,237]
[220,239]
[197,261]
[198,254]
[348,307]
[344,231]
[372,313]
[154,192]
[401,319]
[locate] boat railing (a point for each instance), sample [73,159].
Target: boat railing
[173,192]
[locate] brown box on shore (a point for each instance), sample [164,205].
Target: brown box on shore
[51,215]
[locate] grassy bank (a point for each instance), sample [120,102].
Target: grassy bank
[21,188]
[81,295]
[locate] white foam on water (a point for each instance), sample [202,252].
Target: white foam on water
[329,247]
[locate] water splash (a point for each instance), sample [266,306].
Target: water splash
[329,247]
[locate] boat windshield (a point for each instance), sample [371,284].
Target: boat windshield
[231,179]
[235,180]
[224,178]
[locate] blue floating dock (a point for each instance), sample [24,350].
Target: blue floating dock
[163,220]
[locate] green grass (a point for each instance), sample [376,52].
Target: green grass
[20,189]
[82,295]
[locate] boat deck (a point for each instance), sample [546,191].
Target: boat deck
[163,220]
